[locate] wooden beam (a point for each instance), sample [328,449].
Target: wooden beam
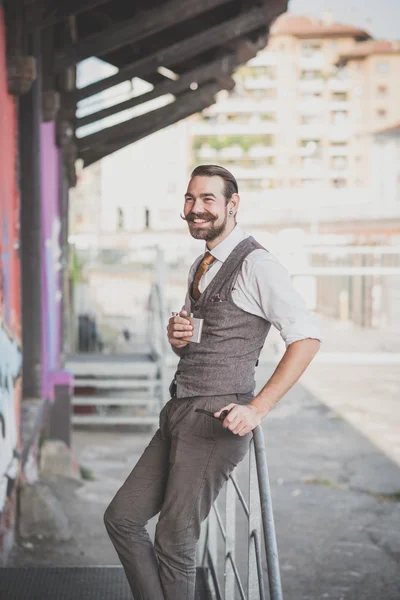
[212,70]
[46,13]
[135,124]
[133,30]
[181,109]
[175,53]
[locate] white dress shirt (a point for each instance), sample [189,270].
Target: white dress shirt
[263,288]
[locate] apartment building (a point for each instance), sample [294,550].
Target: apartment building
[303,108]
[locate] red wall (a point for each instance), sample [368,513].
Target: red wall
[10,314]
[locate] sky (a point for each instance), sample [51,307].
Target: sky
[380,17]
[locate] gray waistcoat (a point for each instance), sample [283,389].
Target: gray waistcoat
[232,339]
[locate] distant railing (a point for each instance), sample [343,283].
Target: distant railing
[157,335]
[261,532]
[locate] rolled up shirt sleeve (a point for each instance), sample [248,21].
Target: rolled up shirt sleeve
[270,288]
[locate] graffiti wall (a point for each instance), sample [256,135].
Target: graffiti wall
[10,316]
[51,257]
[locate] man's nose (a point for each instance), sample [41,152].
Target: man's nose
[198,206]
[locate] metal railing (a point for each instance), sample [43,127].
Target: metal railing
[261,532]
[157,323]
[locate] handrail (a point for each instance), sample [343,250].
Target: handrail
[259,515]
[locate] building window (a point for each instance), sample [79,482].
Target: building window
[339,117]
[340,96]
[381,113]
[311,119]
[310,96]
[269,93]
[308,50]
[339,162]
[339,183]
[382,67]
[311,75]
[263,71]
[382,90]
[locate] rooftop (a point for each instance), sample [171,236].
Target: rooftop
[369,48]
[311,27]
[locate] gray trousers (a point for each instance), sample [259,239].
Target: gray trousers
[180,474]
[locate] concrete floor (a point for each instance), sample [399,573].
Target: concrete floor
[336,501]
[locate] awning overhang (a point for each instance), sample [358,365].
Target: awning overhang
[200,43]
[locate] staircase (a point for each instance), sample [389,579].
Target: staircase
[128,388]
[116,389]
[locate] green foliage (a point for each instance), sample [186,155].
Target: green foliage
[75,267]
[86,473]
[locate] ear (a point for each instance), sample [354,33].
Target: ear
[233,203]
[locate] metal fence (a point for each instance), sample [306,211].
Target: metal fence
[261,535]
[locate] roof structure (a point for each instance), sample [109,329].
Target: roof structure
[311,27]
[369,48]
[199,44]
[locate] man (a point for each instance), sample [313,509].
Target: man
[239,289]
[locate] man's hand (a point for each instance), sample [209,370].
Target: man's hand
[242,418]
[179,330]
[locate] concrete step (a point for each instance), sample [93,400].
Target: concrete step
[113,419]
[114,401]
[129,365]
[109,383]
[74,583]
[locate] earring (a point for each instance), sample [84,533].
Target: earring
[231,212]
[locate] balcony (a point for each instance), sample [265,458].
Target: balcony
[312,85]
[264,59]
[259,83]
[314,171]
[207,153]
[339,85]
[236,152]
[304,151]
[337,133]
[335,105]
[339,173]
[231,152]
[311,131]
[242,105]
[257,173]
[261,151]
[312,63]
[251,128]
[339,151]
[311,107]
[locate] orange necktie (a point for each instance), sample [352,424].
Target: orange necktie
[201,269]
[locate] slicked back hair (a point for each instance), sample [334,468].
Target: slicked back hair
[230,187]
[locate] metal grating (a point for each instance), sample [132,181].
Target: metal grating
[72,583]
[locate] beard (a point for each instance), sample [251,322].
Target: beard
[210,232]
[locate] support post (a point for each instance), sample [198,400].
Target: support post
[29,119]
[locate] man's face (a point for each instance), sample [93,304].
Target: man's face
[205,207]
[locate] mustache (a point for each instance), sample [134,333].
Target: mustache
[191,217]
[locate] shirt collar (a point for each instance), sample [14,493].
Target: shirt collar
[224,248]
